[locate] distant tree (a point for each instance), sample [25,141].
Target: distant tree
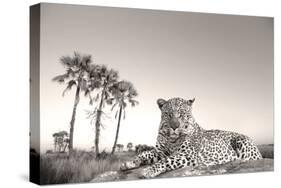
[142,147]
[130,146]
[76,70]
[55,135]
[61,141]
[102,78]
[120,147]
[123,93]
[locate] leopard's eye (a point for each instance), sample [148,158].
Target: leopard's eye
[166,114]
[182,112]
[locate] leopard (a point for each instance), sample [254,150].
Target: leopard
[181,142]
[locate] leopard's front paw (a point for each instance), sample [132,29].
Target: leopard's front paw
[123,167]
[148,173]
[128,165]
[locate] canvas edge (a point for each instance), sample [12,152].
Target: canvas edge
[34,86]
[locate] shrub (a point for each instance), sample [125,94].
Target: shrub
[141,148]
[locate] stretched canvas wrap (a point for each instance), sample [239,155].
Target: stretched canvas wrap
[127,94]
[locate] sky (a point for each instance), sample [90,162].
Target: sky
[224,61]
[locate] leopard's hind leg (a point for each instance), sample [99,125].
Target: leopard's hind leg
[245,148]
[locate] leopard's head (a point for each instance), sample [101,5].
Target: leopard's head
[175,116]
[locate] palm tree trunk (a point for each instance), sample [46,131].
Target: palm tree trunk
[117,131]
[71,131]
[97,125]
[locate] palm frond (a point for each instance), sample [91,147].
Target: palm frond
[103,103]
[105,115]
[106,94]
[92,115]
[88,112]
[66,61]
[92,121]
[94,72]
[132,92]
[114,105]
[91,112]
[124,104]
[94,84]
[86,61]
[91,101]
[124,113]
[97,97]
[71,72]
[110,101]
[103,70]
[116,114]
[102,125]
[112,76]
[61,78]
[84,84]
[77,59]
[86,92]
[133,102]
[69,86]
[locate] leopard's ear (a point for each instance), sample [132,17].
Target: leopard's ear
[161,102]
[191,101]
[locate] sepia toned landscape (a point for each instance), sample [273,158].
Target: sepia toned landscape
[101,86]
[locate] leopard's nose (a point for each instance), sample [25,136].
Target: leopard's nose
[174,127]
[174,124]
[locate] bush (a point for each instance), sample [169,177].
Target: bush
[141,148]
[103,155]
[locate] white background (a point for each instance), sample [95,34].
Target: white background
[14,61]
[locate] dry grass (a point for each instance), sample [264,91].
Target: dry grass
[80,167]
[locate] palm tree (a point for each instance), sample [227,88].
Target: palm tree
[77,68]
[103,78]
[60,140]
[123,93]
